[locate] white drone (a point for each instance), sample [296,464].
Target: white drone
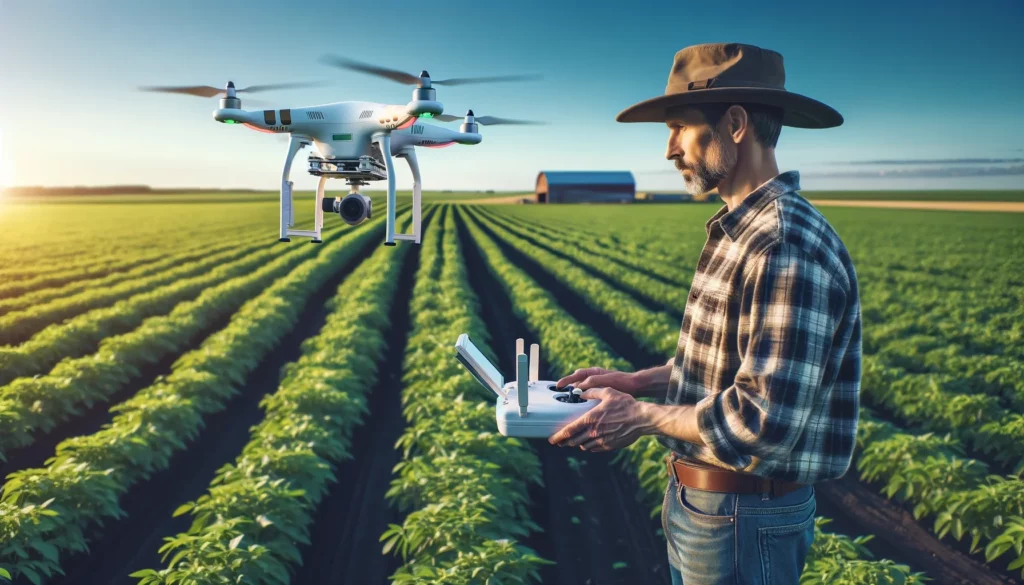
[355,140]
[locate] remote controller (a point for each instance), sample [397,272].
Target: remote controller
[525,407]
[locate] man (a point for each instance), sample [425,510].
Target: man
[761,398]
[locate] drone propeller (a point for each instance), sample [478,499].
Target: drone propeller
[488,120]
[409,79]
[209,91]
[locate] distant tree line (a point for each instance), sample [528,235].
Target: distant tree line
[116,190]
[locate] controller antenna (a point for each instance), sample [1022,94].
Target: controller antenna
[522,385]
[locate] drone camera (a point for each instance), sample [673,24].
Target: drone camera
[355,208]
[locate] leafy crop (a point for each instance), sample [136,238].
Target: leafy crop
[645,457]
[263,505]
[463,484]
[86,478]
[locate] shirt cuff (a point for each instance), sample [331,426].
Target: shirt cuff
[714,431]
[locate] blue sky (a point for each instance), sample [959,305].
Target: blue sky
[913,80]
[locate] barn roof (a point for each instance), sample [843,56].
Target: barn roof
[588,177]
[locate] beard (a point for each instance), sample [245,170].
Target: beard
[708,173]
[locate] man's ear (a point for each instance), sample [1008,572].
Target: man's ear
[737,122]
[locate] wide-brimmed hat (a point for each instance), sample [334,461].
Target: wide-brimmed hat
[732,73]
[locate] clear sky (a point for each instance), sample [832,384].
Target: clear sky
[939,80]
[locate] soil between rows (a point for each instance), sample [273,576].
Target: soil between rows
[596,529]
[91,419]
[123,546]
[620,340]
[847,521]
[517,223]
[345,542]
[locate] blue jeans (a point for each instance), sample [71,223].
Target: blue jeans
[737,539]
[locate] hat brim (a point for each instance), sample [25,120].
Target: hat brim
[798,111]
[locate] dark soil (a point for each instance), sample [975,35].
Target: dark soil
[596,529]
[516,223]
[637,295]
[860,509]
[844,519]
[90,420]
[123,546]
[345,546]
[619,339]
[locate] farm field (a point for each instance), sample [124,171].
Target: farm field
[183,399]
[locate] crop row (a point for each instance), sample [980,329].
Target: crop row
[571,345]
[923,400]
[259,509]
[20,326]
[127,257]
[657,331]
[46,511]
[462,485]
[97,233]
[80,335]
[943,403]
[981,369]
[627,275]
[599,245]
[37,404]
[931,472]
[940,402]
[169,261]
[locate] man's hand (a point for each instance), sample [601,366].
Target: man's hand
[616,422]
[587,378]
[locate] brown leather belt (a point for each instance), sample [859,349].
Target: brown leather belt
[715,479]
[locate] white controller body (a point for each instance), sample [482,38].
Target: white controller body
[525,407]
[545,416]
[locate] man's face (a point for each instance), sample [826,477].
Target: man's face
[699,151]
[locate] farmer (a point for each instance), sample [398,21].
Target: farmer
[761,398]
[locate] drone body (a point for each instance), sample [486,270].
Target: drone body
[344,130]
[354,140]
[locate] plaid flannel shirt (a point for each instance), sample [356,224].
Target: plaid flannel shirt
[770,345]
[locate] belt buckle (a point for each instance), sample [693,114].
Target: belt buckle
[671,462]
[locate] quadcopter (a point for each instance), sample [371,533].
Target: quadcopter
[354,140]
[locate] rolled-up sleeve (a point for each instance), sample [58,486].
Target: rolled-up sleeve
[789,312]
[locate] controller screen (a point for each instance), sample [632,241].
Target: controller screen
[483,367]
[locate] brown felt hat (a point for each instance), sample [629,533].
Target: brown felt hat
[732,73]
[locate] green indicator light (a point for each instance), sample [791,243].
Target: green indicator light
[229,121]
[342,137]
[426,115]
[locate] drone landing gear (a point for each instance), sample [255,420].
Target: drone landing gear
[287,213]
[409,154]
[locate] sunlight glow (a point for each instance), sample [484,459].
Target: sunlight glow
[6,165]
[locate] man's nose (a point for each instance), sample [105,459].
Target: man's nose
[672,150]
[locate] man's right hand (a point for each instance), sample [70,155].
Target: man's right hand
[586,378]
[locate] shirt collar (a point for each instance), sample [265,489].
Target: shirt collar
[732,222]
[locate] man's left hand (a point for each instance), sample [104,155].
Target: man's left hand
[616,422]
